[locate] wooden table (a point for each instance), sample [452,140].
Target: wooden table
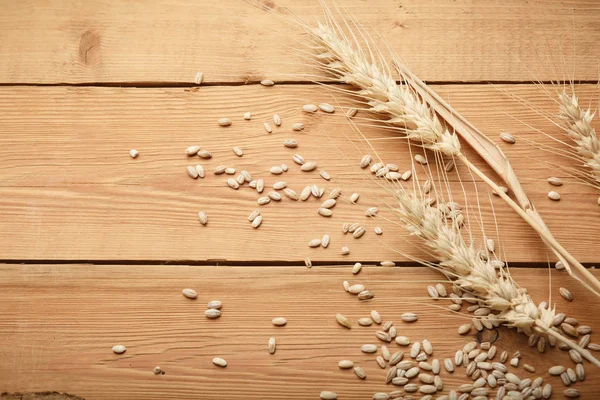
[96,246]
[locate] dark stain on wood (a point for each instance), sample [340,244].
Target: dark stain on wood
[39,396]
[89,47]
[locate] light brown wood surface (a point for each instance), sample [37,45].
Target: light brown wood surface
[95,247]
[55,41]
[70,190]
[58,324]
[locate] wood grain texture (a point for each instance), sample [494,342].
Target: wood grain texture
[69,190]
[55,41]
[58,324]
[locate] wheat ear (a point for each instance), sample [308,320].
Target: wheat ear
[409,111]
[462,263]
[577,124]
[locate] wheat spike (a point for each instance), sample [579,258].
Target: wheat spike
[461,263]
[410,107]
[577,124]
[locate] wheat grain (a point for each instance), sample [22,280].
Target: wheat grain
[119,349]
[224,121]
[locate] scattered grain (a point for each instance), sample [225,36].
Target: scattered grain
[224,121]
[119,349]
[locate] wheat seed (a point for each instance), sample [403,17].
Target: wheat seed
[396,358]
[199,78]
[267,127]
[119,349]
[232,183]
[554,181]
[314,243]
[356,289]
[427,347]
[335,193]
[552,195]
[572,393]
[376,317]
[253,215]
[290,143]
[365,161]
[272,345]
[257,221]
[192,150]
[277,119]
[365,321]
[328,108]
[351,112]
[383,336]
[358,232]
[224,121]
[409,317]
[212,313]
[432,292]
[387,264]
[202,218]
[200,171]
[381,396]
[248,116]
[274,196]
[276,170]
[238,152]
[366,295]
[298,159]
[279,321]
[310,108]
[345,364]
[380,361]
[566,294]
[308,166]
[327,395]
[205,154]
[219,362]
[448,365]
[325,212]
[189,293]
[368,348]
[324,175]
[329,203]
[192,172]
[264,200]
[284,167]
[297,127]
[240,179]
[290,194]
[420,159]
[580,371]
[507,137]
[228,171]
[216,304]
[371,212]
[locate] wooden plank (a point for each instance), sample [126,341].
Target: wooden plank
[55,41]
[59,322]
[69,190]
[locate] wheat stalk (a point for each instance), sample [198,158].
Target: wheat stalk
[577,124]
[411,108]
